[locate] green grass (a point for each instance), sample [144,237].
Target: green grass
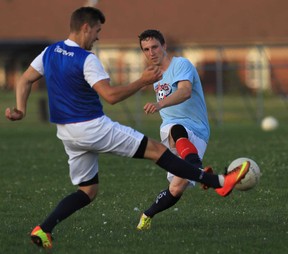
[34,177]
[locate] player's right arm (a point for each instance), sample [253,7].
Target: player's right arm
[99,80]
[23,89]
[115,94]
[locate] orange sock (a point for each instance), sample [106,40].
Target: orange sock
[185,147]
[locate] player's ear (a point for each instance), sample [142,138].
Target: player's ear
[85,27]
[164,46]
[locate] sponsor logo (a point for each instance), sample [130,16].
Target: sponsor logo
[162,91]
[64,52]
[161,195]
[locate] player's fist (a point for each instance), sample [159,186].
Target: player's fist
[151,74]
[151,108]
[14,114]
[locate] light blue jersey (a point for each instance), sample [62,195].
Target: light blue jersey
[191,113]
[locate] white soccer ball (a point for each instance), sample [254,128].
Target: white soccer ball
[251,179]
[269,123]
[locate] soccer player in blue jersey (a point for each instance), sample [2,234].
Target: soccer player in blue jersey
[75,79]
[181,104]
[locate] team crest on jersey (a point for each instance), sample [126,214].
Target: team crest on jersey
[162,91]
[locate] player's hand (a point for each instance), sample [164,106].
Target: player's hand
[151,108]
[14,114]
[151,74]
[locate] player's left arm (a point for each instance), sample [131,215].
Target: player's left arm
[182,94]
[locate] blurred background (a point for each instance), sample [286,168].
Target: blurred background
[240,49]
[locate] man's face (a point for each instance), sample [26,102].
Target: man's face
[91,35]
[153,50]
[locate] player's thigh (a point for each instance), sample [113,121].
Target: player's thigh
[166,139]
[114,138]
[83,164]
[101,135]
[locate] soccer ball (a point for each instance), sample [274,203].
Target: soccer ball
[251,179]
[269,123]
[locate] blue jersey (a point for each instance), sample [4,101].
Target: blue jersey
[71,98]
[191,113]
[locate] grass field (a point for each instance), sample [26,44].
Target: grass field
[34,177]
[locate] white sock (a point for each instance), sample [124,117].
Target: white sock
[221,180]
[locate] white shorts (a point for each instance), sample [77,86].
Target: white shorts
[85,140]
[199,143]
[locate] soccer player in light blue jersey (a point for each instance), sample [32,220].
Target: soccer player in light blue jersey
[181,104]
[75,80]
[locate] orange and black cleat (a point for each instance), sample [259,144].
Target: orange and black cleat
[232,178]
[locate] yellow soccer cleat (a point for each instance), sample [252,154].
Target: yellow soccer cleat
[40,238]
[144,223]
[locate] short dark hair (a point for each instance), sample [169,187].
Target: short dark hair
[83,15]
[151,33]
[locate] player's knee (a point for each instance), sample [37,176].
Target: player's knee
[90,187]
[92,196]
[178,131]
[177,190]
[91,190]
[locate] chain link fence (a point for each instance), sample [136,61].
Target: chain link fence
[241,83]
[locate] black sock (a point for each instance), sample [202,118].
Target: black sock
[194,159]
[65,208]
[184,169]
[163,201]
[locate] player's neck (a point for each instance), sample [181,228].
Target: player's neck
[165,63]
[76,37]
